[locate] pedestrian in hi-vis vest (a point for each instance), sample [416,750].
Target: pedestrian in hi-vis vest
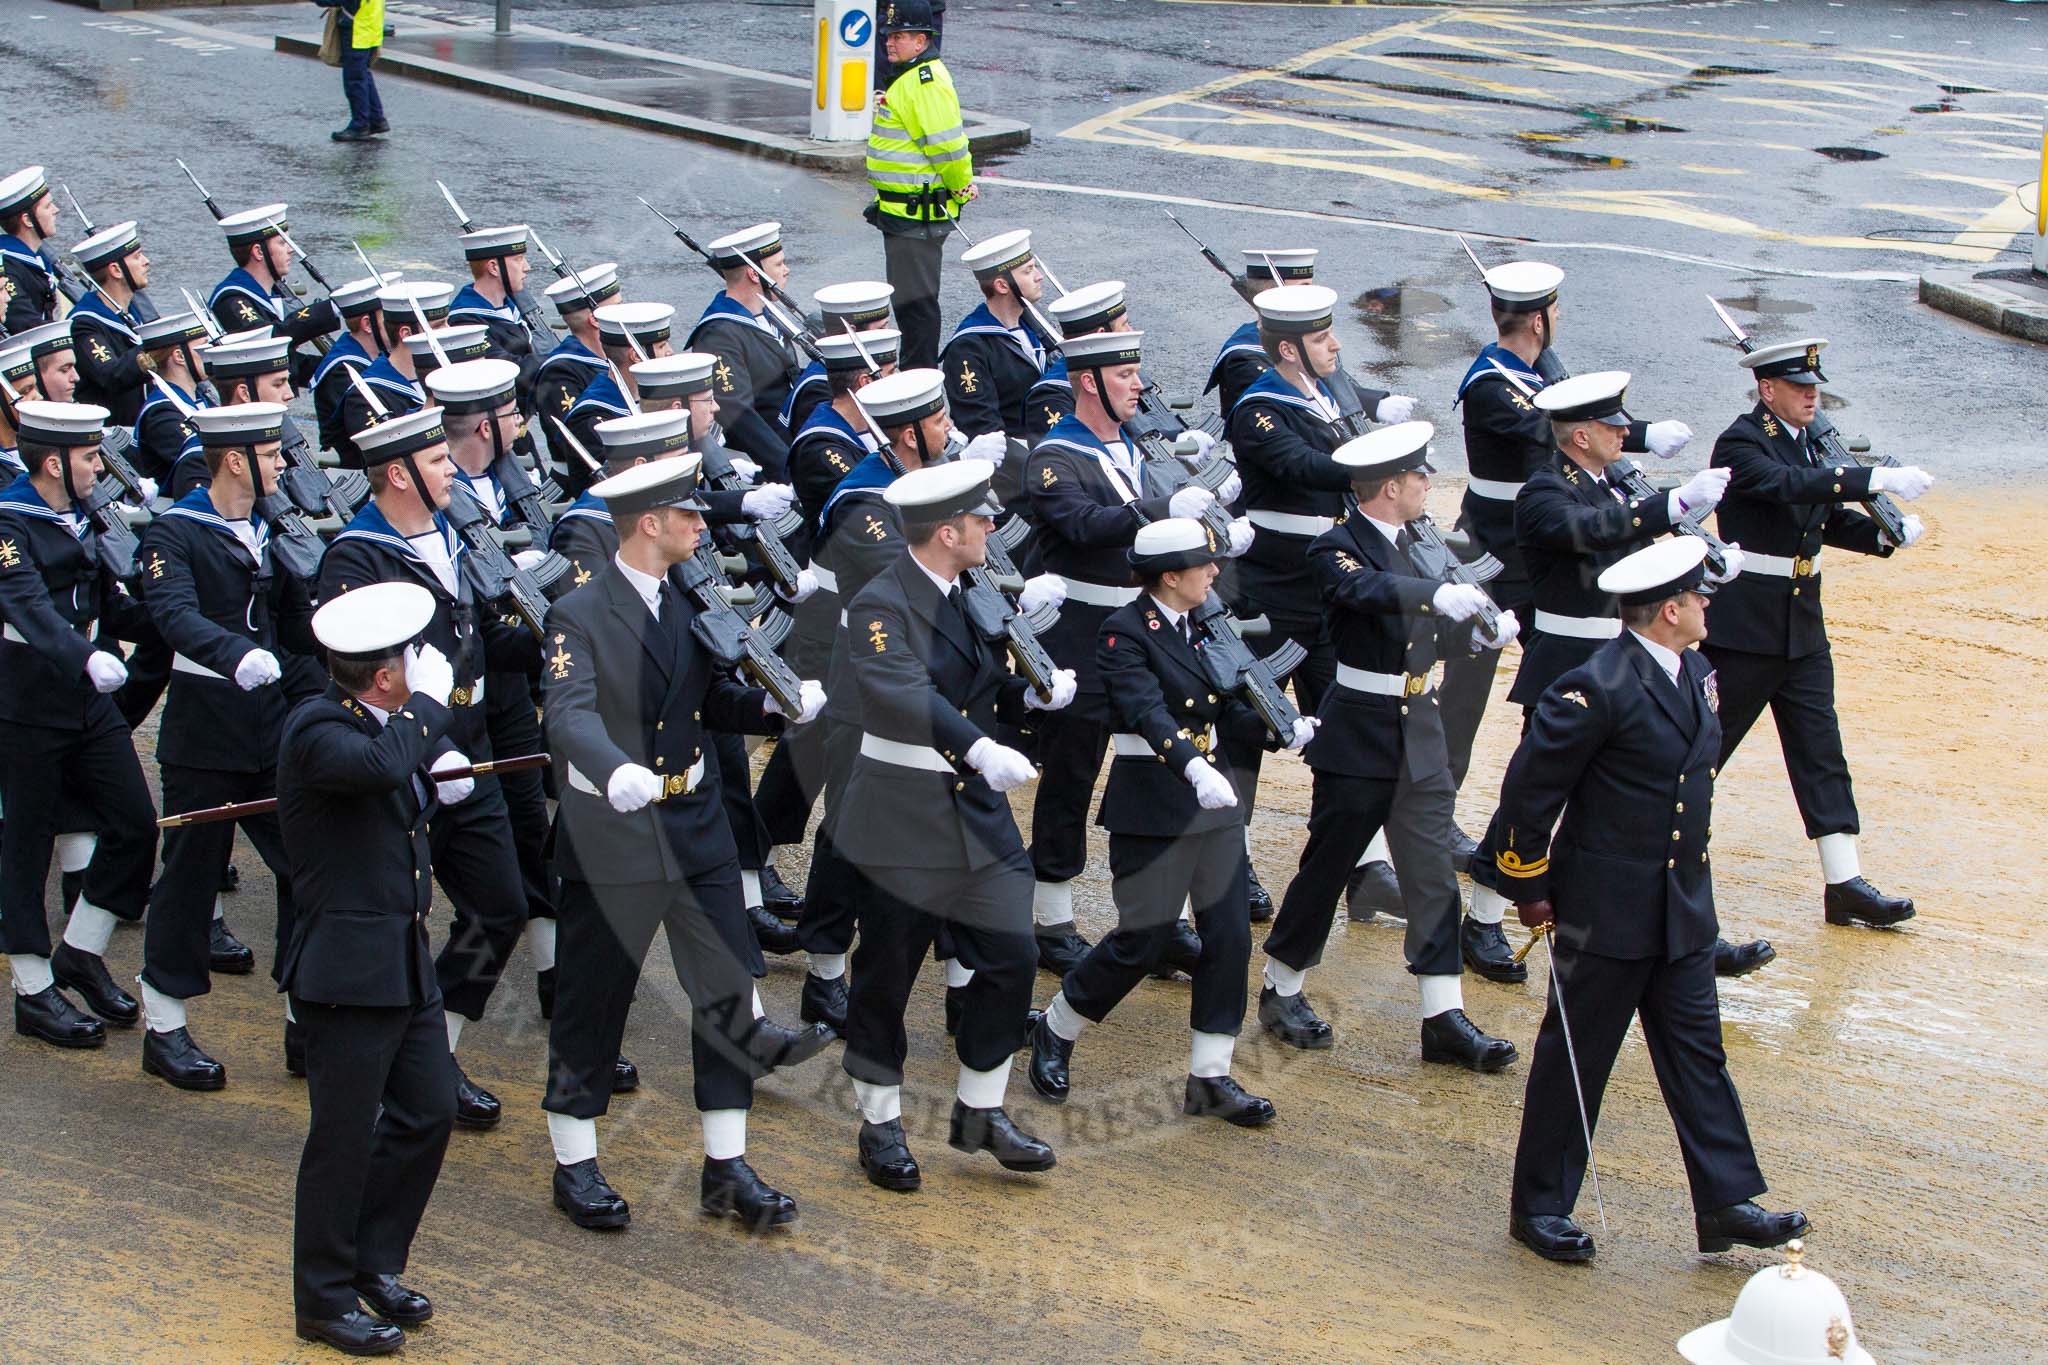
[361,31]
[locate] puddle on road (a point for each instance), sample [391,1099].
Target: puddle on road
[1623,123]
[1700,72]
[1472,58]
[1545,145]
[1757,303]
[1849,154]
[1413,327]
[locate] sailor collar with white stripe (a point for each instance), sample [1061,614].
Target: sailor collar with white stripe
[13,247]
[1273,387]
[1073,434]
[587,508]
[95,307]
[346,351]
[197,505]
[983,322]
[725,306]
[21,496]
[573,350]
[826,422]
[240,281]
[471,300]
[372,525]
[12,460]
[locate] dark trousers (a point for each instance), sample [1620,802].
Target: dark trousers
[102,781]
[365,106]
[1801,695]
[176,933]
[514,727]
[381,1088]
[986,913]
[605,934]
[912,263]
[1344,813]
[791,781]
[1466,688]
[149,673]
[1151,879]
[1071,742]
[1682,1027]
[736,790]
[477,866]
[832,889]
[1310,682]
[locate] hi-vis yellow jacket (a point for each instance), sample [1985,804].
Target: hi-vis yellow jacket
[917,148]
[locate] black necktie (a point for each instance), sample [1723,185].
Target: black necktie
[1403,541]
[1185,638]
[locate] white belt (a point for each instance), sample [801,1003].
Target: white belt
[1289,523]
[827,580]
[842,618]
[1099,594]
[8,632]
[1780,566]
[1382,684]
[904,755]
[672,784]
[1500,490]
[1579,627]
[181,664]
[1137,746]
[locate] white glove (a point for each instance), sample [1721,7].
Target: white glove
[1212,789]
[1046,588]
[526,559]
[1003,767]
[744,467]
[1505,629]
[632,787]
[1241,533]
[1063,689]
[1304,730]
[1736,559]
[106,671]
[1189,502]
[1702,490]
[990,445]
[428,672]
[1459,601]
[148,487]
[810,695]
[259,668]
[1666,439]
[1202,442]
[1907,481]
[1395,407]
[452,793]
[806,584]
[767,502]
[1232,486]
[1915,528]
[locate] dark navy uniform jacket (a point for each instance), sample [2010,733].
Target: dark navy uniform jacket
[30,285]
[240,303]
[989,372]
[753,376]
[1782,501]
[504,331]
[398,394]
[1283,443]
[108,350]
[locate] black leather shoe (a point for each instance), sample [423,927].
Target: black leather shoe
[1485,949]
[227,954]
[1050,1055]
[1257,898]
[1183,952]
[772,1046]
[1220,1097]
[1061,949]
[956,1001]
[1373,890]
[1463,848]
[582,1193]
[87,974]
[730,1186]
[1451,1037]
[475,1107]
[1750,1225]
[771,933]
[625,1077]
[230,880]
[179,1060]
[48,1015]
[351,134]
[824,1002]
[1731,959]
[382,125]
[294,1048]
[355,1332]
[779,897]
[885,1156]
[1289,1018]
[1856,901]
[544,988]
[392,1301]
[1552,1237]
[995,1132]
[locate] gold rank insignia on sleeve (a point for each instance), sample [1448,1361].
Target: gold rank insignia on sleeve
[875,529]
[1347,563]
[1571,473]
[1046,476]
[724,376]
[878,637]
[1511,865]
[156,566]
[6,286]
[838,461]
[1052,416]
[1263,422]
[582,577]
[1515,397]
[568,400]
[560,660]
[1577,696]
[248,313]
[970,382]
[1770,426]
[9,556]
[100,351]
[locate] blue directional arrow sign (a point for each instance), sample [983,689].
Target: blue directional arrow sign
[855,28]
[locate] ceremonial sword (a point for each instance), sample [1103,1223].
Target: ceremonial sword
[239,809]
[1571,1056]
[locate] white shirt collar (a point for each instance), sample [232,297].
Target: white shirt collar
[383,716]
[647,585]
[1172,617]
[1667,659]
[944,585]
[1387,529]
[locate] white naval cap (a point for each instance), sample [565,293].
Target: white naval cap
[1297,309]
[855,302]
[483,385]
[397,300]
[669,481]
[358,297]
[1293,264]
[1798,361]
[464,341]
[1785,1315]
[22,188]
[843,351]
[1101,350]
[758,242]
[396,437]
[48,339]
[941,491]
[239,424]
[17,359]
[59,424]
[646,323]
[585,288]
[108,244]
[245,355]
[170,330]
[1524,286]
[1386,451]
[1594,397]
[1661,569]
[993,255]
[897,400]
[253,225]
[1091,308]
[490,243]
[373,622]
[1172,543]
[673,376]
[644,435]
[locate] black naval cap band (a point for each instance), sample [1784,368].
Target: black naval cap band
[1692,580]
